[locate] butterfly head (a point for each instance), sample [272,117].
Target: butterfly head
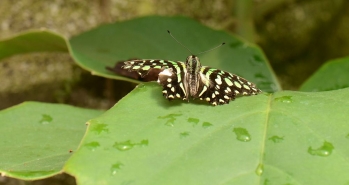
[193,63]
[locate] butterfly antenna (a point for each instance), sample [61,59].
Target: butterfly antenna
[179,42]
[211,49]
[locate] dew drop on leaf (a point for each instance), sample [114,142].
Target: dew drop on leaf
[184,134]
[46,119]
[141,88]
[259,169]
[284,99]
[123,146]
[206,124]
[99,127]
[195,121]
[170,119]
[323,151]
[242,134]
[127,145]
[92,145]
[276,139]
[144,142]
[115,168]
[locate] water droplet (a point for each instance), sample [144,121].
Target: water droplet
[284,99]
[276,139]
[260,77]
[206,124]
[115,168]
[127,145]
[123,146]
[323,151]
[242,134]
[141,88]
[46,119]
[195,121]
[92,145]
[184,134]
[256,60]
[170,119]
[259,169]
[144,142]
[266,182]
[99,127]
[235,44]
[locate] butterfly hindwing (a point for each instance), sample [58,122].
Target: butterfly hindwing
[172,83]
[219,87]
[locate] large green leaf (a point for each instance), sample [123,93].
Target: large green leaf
[38,138]
[148,38]
[332,75]
[32,41]
[273,139]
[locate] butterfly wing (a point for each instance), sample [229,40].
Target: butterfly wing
[219,87]
[171,76]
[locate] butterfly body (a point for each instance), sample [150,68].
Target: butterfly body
[185,80]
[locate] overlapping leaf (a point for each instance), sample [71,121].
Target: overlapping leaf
[331,76]
[38,138]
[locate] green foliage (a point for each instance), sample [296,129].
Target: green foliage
[280,138]
[331,76]
[140,38]
[32,41]
[38,138]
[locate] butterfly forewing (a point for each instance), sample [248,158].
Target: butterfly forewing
[219,87]
[171,76]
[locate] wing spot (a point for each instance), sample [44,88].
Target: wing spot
[214,103]
[247,87]
[207,99]
[218,80]
[173,89]
[169,85]
[226,97]
[216,92]
[166,72]
[178,95]
[169,80]
[229,83]
[171,96]
[213,95]
[228,89]
[203,90]
[237,92]
[164,91]
[221,101]
[237,84]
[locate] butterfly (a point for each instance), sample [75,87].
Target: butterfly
[185,80]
